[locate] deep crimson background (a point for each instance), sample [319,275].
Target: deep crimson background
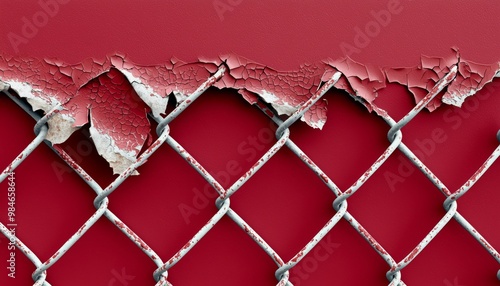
[284,202]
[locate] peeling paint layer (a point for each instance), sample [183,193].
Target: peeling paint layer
[114,95]
[419,80]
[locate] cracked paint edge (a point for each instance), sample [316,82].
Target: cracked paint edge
[48,83]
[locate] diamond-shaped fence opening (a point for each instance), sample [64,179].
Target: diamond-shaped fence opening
[18,139]
[229,245]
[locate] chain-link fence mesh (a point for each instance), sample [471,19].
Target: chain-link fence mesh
[283,267]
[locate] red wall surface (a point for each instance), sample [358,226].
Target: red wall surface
[284,202]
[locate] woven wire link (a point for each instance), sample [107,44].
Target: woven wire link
[340,204]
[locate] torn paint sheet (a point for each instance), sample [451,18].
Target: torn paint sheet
[360,81]
[114,95]
[285,91]
[421,79]
[118,118]
[154,84]
[471,78]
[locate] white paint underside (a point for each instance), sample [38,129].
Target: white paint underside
[155,101]
[280,106]
[118,159]
[33,97]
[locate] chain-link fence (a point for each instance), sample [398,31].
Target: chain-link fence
[395,269]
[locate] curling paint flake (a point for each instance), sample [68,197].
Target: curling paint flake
[280,106]
[33,97]
[155,101]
